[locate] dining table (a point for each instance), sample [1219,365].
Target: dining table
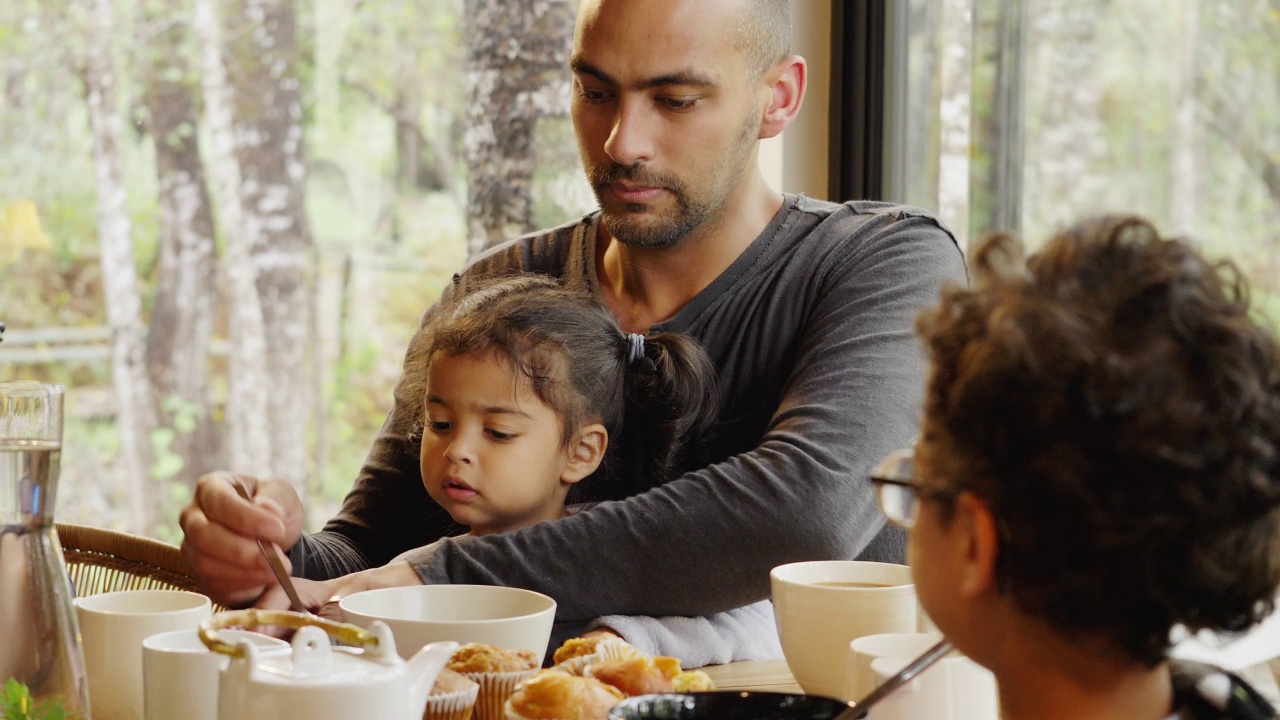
[758,675]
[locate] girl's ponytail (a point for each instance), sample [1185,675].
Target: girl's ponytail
[670,386]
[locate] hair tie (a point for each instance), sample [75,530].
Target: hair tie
[635,347]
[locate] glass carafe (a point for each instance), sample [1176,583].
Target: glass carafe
[39,636]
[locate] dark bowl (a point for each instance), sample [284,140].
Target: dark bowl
[727,705]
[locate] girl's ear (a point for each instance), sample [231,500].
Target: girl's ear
[586,453]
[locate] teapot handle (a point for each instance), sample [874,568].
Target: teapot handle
[253,618]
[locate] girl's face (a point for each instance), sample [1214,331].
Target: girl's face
[492,451]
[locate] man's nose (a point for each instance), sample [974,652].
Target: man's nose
[631,137]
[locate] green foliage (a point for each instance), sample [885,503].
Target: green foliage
[16,703]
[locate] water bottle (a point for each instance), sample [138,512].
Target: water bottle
[39,636]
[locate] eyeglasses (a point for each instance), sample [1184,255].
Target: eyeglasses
[897,489]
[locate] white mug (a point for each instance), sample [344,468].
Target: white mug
[180,674]
[821,605]
[954,688]
[112,628]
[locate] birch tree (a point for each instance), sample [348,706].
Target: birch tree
[956,68]
[517,72]
[1070,142]
[185,296]
[261,50]
[247,440]
[136,416]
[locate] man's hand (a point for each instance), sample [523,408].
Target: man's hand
[221,529]
[322,597]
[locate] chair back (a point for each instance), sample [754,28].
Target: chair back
[101,560]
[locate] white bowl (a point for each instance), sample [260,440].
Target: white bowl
[505,617]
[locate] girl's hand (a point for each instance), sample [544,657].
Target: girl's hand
[321,597]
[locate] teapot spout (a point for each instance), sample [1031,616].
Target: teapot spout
[424,668]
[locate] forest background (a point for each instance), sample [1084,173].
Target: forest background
[220,220]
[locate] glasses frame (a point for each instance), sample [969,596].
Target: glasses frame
[889,473]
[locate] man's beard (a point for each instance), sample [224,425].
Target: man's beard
[661,232]
[691,213]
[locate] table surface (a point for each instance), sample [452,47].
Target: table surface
[765,675]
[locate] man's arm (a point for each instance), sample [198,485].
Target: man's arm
[706,541]
[387,511]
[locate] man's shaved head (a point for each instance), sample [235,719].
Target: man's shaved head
[763,32]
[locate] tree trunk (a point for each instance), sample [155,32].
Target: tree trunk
[247,440]
[136,415]
[1184,193]
[1071,143]
[182,314]
[262,64]
[517,72]
[957,83]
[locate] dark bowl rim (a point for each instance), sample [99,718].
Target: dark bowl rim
[745,694]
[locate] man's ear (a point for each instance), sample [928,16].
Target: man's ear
[785,82]
[586,453]
[981,545]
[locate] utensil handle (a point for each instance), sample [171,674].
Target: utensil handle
[255,618]
[273,559]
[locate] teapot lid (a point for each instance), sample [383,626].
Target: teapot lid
[315,661]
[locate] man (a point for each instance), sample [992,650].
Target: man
[804,306]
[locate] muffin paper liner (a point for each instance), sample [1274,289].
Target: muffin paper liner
[607,649]
[456,705]
[495,688]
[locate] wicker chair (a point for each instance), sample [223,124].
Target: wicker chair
[101,560]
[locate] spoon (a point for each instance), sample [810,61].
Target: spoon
[273,559]
[860,708]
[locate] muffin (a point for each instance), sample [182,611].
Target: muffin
[453,696]
[692,681]
[555,695]
[576,654]
[638,675]
[496,670]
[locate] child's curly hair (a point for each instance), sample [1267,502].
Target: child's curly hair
[1119,409]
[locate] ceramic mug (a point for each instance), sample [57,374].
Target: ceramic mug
[180,674]
[954,688]
[821,606]
[112,628]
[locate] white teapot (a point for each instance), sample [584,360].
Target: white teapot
[318,681]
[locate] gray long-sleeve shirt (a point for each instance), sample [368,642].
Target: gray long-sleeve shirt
[820,377]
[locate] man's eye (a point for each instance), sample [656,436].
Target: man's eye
[678,104]
[593,96]
[439,426]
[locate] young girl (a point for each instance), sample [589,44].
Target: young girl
[526,388]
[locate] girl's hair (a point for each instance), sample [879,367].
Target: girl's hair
[579,362]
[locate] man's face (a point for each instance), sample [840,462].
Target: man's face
[666,113]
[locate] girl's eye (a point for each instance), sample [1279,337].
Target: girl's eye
[439,426]
[499,435]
